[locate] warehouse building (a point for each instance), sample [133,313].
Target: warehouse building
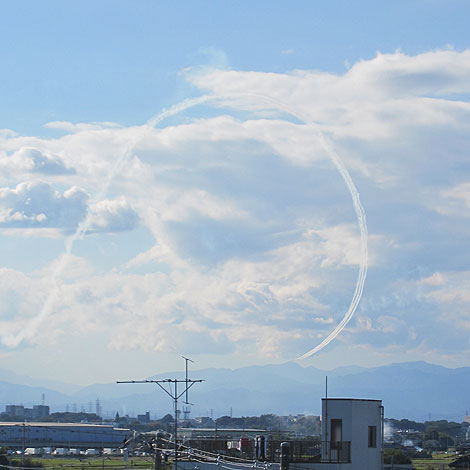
[66,435]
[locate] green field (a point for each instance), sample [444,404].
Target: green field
[64,463]
[438,462]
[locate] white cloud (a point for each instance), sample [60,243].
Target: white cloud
[454,201]
[112,216]
[450,288]
[29,160]
[37,205]
[256,241]
[79,127]
[376,115]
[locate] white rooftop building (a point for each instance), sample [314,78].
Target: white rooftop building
[352,434]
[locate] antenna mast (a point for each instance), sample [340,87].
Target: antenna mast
[173,393]
[186,359]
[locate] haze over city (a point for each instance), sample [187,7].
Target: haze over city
[169,185]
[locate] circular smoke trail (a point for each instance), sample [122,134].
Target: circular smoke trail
[358,208]
[83,227]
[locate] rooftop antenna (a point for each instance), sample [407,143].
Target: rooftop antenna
[186,359]
[171,392]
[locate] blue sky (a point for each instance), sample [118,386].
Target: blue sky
[225,231]
[120,60]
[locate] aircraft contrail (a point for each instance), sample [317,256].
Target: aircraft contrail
[361,278]
[358,208]
[30,329]
[338,163]
[82,228]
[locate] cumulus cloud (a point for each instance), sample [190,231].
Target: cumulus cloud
[112,216]
[256,245]
[31,160]
[37,205]
[382,114]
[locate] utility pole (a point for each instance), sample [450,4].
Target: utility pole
[24,444]
[173,393]
[158,453]
[327,445]
[285,455]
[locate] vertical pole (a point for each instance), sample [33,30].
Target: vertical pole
[327,448]
[158,453]
[125,458]
[285,455]
[262,448]
[24,445]
[176,425]
[186,361]
[382,431]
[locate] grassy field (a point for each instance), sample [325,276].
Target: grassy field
[85,463]
[438,462]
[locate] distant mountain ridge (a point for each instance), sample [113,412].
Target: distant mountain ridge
[413,390]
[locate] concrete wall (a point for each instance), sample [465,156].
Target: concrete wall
[356,416]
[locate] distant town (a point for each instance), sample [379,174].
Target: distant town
[33,434]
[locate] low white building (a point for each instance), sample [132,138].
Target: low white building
[352,434]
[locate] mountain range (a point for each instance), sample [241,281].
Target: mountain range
[413,390]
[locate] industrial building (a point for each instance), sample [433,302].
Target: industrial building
[36,412]
[64,435]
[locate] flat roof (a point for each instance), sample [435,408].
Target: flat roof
[62,425]
[352,399]
[222,429]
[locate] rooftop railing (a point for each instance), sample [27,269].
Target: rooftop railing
[336,452]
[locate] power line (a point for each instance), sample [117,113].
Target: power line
[173,393]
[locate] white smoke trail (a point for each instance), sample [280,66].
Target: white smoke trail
[30,331]
[361,278]
[361,219]
[360,215]
[31,328]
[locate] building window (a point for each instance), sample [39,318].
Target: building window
[372,436]
[336,433]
